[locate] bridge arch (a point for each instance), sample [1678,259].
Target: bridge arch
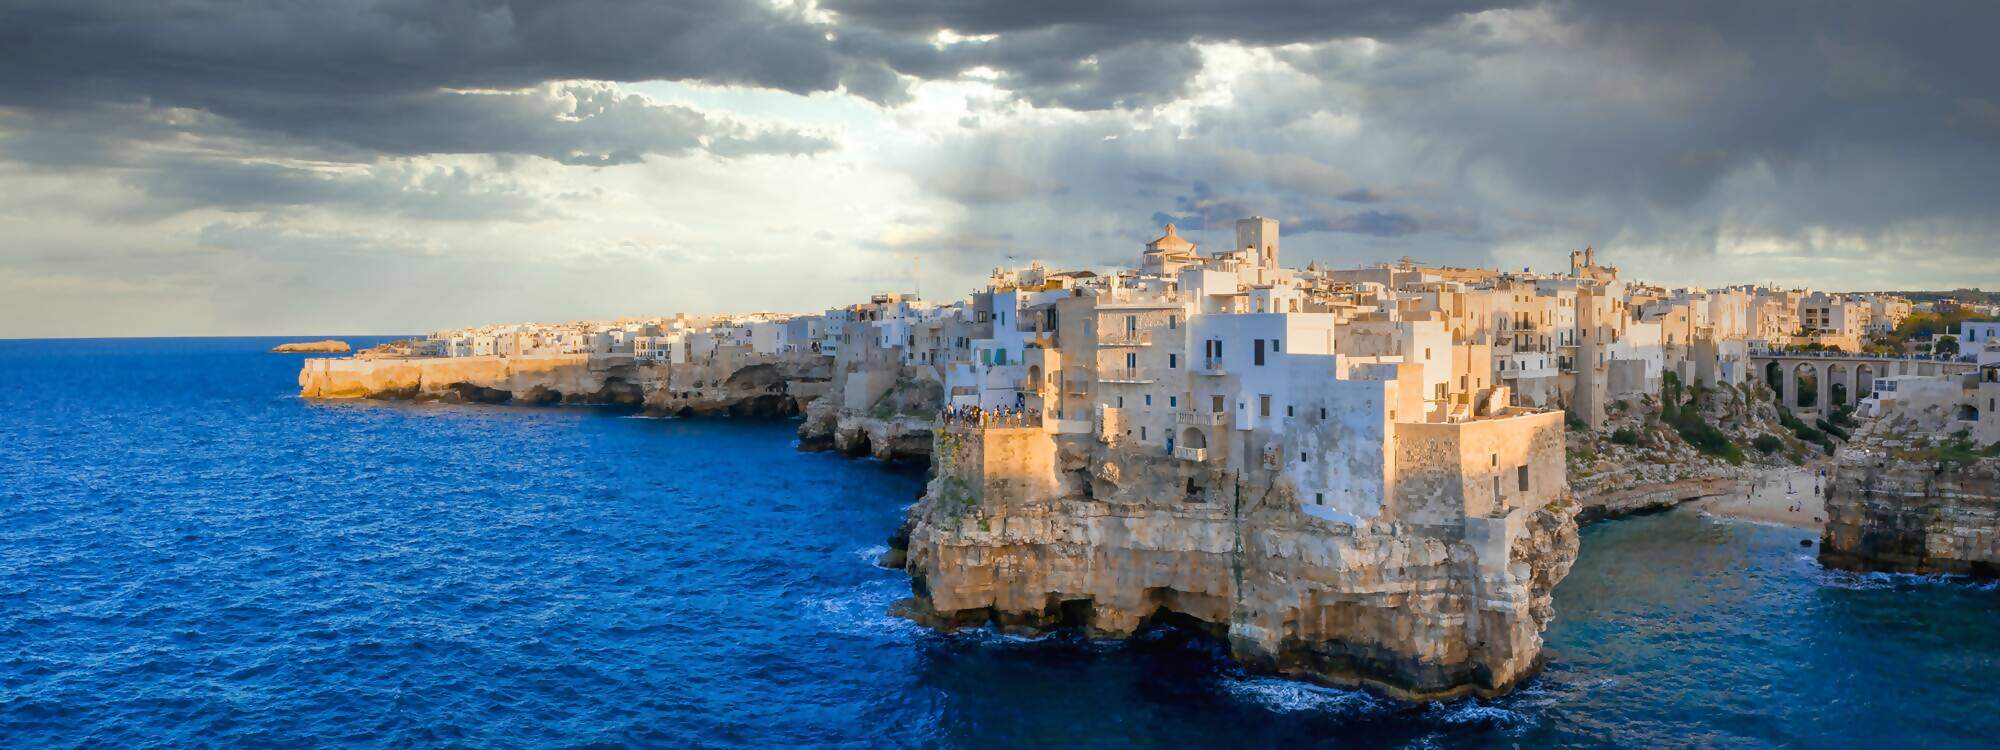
[1838,391]
[1774,378]
[1805,385]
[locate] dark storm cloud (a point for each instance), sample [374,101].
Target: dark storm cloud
[1123,53]
[406,78]
[336,68]
[1659,102]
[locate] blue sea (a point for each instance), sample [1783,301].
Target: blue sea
[192,556]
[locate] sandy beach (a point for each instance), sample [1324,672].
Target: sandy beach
[1789,496]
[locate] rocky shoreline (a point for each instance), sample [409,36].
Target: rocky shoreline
[1904,503]
[1031,533]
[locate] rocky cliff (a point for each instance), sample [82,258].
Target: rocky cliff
[740,385]
[1913,504]
[534,380]
[1114,541]
[875,407]
[328,346]
[1639,462]
[729,384]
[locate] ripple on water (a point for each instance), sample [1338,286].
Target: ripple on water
[1287,696]
[863,611]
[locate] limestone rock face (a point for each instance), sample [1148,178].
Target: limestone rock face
[1892,508]
[328,346]
[568,378]
[738,384]
[874,407]
[1658,469]
[1117,541]
[743,385]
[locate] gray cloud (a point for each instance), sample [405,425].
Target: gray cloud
[1755,140]
[441,194]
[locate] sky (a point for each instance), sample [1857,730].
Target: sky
[199,167]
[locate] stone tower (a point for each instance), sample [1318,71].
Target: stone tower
[1262,234]
[1594,320]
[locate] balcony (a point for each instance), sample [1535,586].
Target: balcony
[1077,387]
[1191,454]
[1125,338]
[1138,375]
[1209,367]
[1200,418]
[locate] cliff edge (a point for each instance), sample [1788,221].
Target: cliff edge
[1913,503]
[328,346]
[1031,531]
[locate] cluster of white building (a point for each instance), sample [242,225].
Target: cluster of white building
[1235,340]
[676,340]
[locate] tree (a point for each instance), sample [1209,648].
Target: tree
[1945,345]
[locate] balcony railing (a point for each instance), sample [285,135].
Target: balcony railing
[1210,367]
[1125,338]
[1200,418]
[1136,375]
[1191,454]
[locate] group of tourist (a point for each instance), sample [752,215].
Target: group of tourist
[975,416]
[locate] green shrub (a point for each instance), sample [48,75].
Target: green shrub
[1768,444]
[1625,436]
[1830,429]
[1809,434]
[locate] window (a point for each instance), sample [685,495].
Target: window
[1142,432]
[1215,404]
[1263,405]
[1288,410]
[1522,472]
[1302,456]
[1259,357]
[1274,346]
[1319,498]
[1173,361]
[1173,401]
[1173,321]
[1149,399]
[1322,412]
[1121,402]
[1131,360]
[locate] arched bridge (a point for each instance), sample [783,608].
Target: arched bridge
[1838,378]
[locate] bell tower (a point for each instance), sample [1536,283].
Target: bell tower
[1261,235]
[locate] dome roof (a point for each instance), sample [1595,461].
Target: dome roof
[1171,241]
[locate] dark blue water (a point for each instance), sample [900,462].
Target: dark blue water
[190,556]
